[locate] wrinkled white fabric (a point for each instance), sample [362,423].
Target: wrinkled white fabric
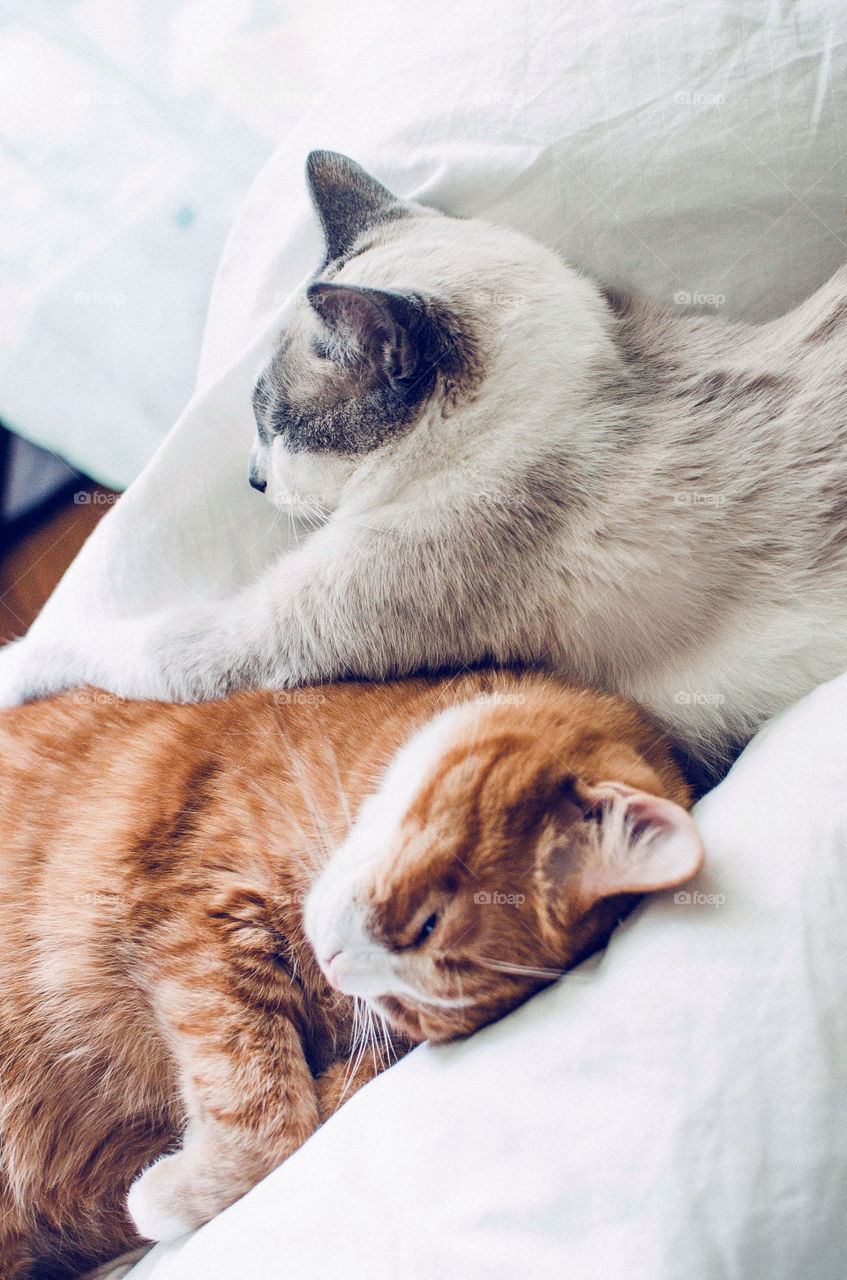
[129,132]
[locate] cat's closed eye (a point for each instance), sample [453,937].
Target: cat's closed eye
[427,929]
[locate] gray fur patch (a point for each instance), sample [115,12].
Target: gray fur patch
[353,403]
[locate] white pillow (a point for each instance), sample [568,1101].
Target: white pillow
[673,1110]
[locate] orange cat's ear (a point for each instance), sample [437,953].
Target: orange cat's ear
[638,843]
[651,843]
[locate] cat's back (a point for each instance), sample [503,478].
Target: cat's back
[79,771]
[90,787]
[104,801]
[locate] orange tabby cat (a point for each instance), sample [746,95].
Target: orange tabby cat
[460,843]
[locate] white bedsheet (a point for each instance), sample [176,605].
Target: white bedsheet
[674,1110]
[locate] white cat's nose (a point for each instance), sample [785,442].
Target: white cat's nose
[342,972]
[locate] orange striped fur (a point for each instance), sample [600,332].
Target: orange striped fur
[159,994]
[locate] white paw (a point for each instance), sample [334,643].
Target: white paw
[12,674]
[30,670]
[153,1221]
[199,655]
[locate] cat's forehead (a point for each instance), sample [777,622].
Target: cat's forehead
[428,803]
[436,254]
[415,762]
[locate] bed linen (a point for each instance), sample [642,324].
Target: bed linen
[130,131]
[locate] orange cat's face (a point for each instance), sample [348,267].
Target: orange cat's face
[503,845]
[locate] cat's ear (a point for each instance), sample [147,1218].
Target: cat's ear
[634,842]
[347,199]
[388,331]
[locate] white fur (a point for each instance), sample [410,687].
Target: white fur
[152,1220]
[336,909]
[433,553]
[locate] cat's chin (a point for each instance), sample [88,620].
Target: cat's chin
[307,484]
[400,1017]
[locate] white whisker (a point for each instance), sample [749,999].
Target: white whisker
[518,970]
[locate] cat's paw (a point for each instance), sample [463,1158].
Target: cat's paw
[194,658]
[158,1201]
[208,653]
[27,672]
[12,674]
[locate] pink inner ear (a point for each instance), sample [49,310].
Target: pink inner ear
[663,847]
[354,314]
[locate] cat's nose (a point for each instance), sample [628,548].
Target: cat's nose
[258,482]
[330,967]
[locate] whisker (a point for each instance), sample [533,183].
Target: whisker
[518,970]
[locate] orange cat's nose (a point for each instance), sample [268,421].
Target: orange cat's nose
[330,967]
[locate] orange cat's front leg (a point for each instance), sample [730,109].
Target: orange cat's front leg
[251,1101]
[344,1078]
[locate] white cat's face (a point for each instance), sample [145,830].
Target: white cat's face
[307,484]
[418,325]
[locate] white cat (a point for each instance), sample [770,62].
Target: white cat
[514,466]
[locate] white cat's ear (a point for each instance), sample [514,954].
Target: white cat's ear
[390,331]
[347,199]
[627,841]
